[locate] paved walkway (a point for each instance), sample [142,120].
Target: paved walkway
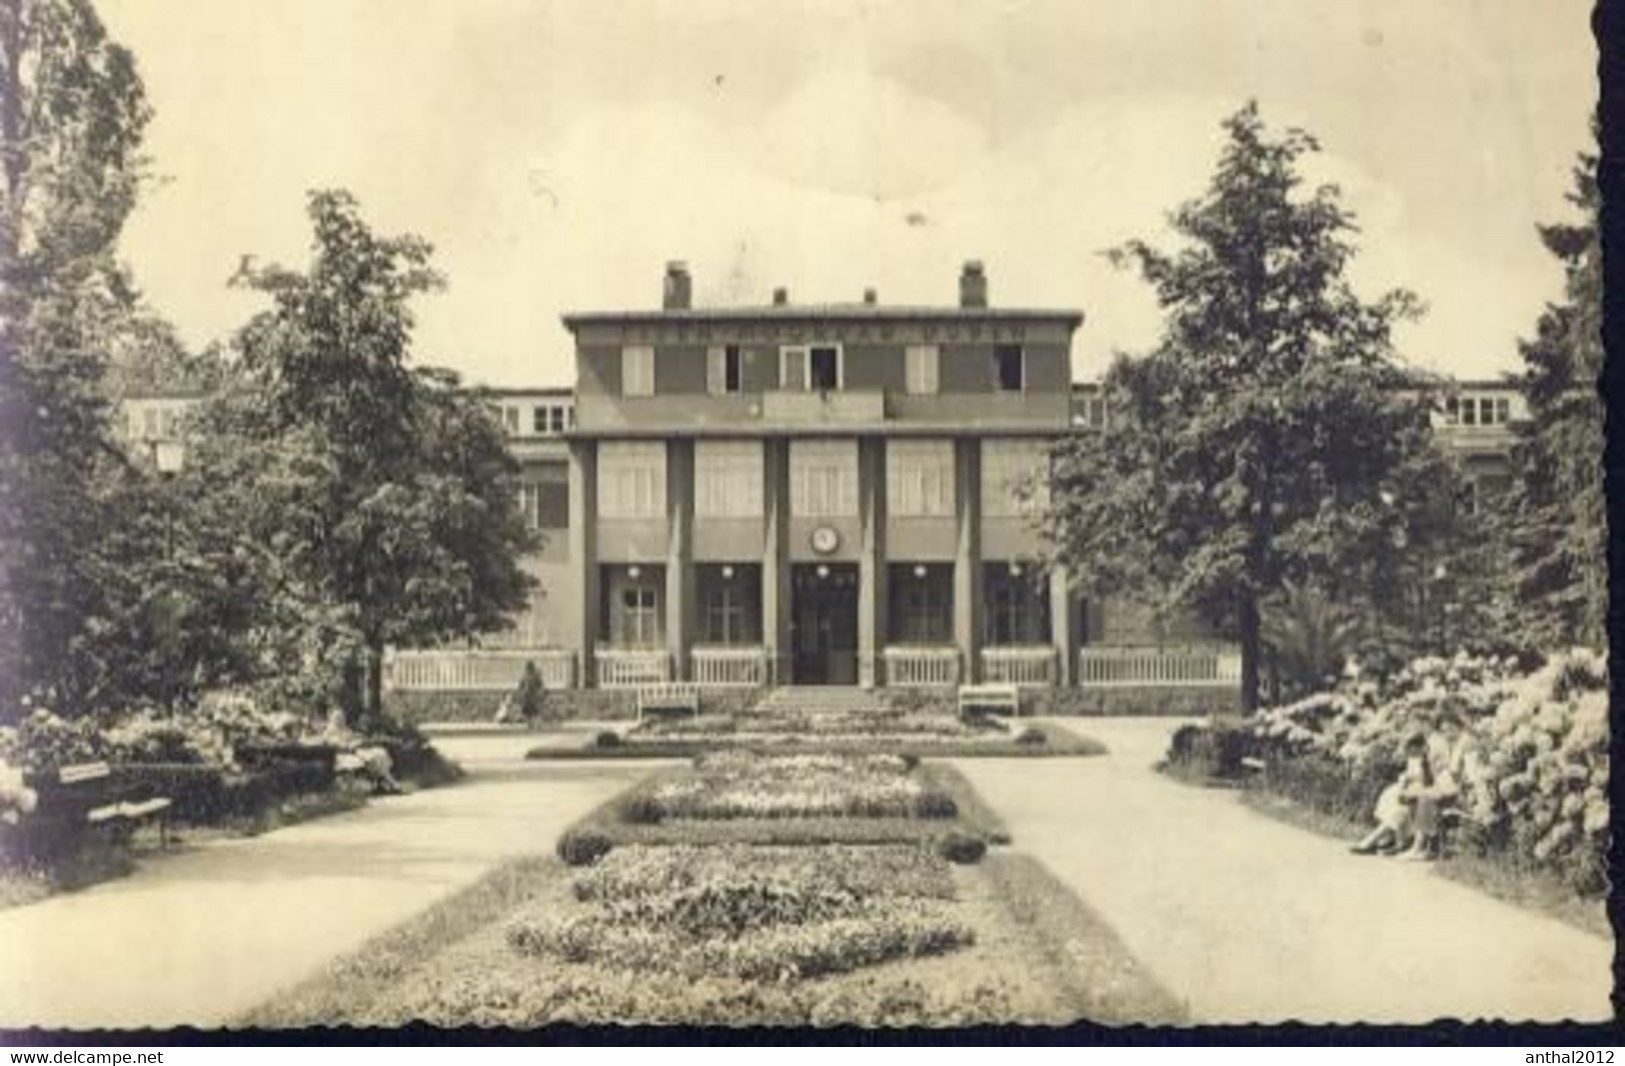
[1249,919]
[205,934]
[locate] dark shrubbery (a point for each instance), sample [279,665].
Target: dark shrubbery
[642,809]
[583,847]
[963,849]
[607,738]
[1032,735]
[934,804]
[1213,750]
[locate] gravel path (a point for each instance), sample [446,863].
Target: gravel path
[1249,919]
[201,935]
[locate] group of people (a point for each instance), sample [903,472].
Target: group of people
[1441,774]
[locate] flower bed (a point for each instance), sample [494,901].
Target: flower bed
[1533,764]
[741,915]
[744,785]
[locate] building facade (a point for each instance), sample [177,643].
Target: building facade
[825,494]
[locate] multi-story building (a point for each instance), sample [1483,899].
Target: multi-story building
[817,494]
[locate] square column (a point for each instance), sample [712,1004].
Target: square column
[1063,611]
[776,558]
[584,548]
[871,560]
[679,554]
[968,555]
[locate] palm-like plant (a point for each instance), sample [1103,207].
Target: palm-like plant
[1309,637]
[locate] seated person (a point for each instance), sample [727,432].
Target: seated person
[370,761]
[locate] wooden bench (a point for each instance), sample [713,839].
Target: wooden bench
[1006,698]
[88,795]
[668,698]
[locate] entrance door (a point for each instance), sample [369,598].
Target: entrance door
[824,624]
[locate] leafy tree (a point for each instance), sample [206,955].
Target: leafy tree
[72,117]
[381,491]
[1308,637]
[1560,530]
[1271,436]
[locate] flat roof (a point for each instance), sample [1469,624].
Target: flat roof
[856,312]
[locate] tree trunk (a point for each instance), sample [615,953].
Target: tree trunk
[1249,629]
[374,704]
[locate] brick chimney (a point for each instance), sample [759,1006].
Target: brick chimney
[679,290]
[870,297]
[972,285]
[781,296]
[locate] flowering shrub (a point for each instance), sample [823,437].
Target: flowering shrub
[1531,769]
[45,740]
[771,915]
[16,798]
[739,784]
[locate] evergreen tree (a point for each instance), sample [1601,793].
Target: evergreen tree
[1560,529]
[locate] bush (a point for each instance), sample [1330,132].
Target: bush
[960,848]
[642,809]
[583,847]
[934,804]
[607,738]
[1211,750]
[1032,735]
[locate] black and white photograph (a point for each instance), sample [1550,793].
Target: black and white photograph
[789,515]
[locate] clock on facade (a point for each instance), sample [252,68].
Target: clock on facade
[825,540]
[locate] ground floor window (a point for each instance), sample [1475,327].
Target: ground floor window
[1016,604]
[921,598]
[730,596]
[633,606]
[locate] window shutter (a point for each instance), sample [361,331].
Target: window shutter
[716,370]
[793,369]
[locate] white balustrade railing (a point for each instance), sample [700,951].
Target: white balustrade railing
[921,667]
[1027,664]
[630,667]
[477,670]
[725,667]
[1172,666]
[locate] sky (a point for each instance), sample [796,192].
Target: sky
[558,154]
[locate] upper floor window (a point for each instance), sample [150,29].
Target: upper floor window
[920,478]
[637,370]
[1013,481]
[1091,411]
[1478,410]
[1009,369]
[724,370]
[631,479]
[727,479]
[824,478]
[920,368]
[549,419]
[530,504]
[815,367]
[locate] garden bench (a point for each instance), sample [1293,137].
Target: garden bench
[88,795]
[1005,698]
[671,697]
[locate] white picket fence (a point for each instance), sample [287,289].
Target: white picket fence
[477,670]
[631,667]
[921,667]
[1177,667]
[729,667]
[1032,664]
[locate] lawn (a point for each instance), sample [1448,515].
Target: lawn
[747,889]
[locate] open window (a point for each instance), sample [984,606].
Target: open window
[1008,368]
[725,370]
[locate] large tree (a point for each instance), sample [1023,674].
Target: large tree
[72,116]
[1560,527]
[383,491]
[1271,435]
